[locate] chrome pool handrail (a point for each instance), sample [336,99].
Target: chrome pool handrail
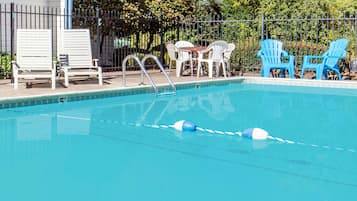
[132,56]
[148,56]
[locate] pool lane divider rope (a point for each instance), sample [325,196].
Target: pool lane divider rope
[184,126]
[250,133]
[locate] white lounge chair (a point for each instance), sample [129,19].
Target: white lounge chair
[34,56]
[76,45]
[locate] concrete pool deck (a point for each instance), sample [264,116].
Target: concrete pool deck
[83,84]
[114,81]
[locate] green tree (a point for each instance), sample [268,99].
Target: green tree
[128,17]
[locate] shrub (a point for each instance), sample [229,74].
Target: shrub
[5,65]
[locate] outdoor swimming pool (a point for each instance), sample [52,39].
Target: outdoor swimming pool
[92,150]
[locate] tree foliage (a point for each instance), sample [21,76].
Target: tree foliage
[289,8]
[128,17]
[148,18]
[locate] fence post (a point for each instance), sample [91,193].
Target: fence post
[177,28]
[12,32]
[97,15]
[262,33]
[356,32]
[162,40]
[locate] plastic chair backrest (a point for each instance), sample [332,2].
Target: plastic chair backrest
[336,51]
[183,43]
[77,45]
[184,55]
[219,43]
[218,48]
[271,51]
[171,50]
[228,52]
[216,52]
[34,49]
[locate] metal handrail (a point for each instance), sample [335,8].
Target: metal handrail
[148,56]
[142,68]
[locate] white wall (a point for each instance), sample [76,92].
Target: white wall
[27,21]
[51,3]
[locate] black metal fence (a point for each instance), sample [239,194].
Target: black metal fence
[116,34]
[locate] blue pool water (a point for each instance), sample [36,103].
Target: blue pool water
[91,150]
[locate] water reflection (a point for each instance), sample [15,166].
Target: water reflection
[216,105]
[34,127]
[74,122]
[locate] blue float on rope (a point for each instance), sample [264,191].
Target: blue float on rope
[184,125]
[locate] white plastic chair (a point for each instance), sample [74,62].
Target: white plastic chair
[34,56]
[183,56]
[227,55]
[76,44]
[213,56]
[172,52]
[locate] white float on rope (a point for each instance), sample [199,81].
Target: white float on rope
[255,134]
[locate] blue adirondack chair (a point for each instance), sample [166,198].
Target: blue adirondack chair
[272,55]
[328,61]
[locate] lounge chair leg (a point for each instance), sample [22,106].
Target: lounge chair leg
[53,79]
[291,73]
[302,73]
[16,83]
[191,66]
[178,69]
[266,72]
[228,69]
[210,69]
[66,81]
[324,75]
[199,69]
[100,77]
[224,70]
[339,76]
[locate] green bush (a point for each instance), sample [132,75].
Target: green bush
[5,65]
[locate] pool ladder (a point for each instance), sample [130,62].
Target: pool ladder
[144,72]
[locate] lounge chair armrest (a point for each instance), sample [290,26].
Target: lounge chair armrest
[14,64]
[284,53]
[181,52]
[184,51]
[63,60]
[204,51]
[288,56]
[54,64]
[95,62]
[335,57]
[260,53]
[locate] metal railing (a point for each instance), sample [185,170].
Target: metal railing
[144,72]
[158,63]
[113,40]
